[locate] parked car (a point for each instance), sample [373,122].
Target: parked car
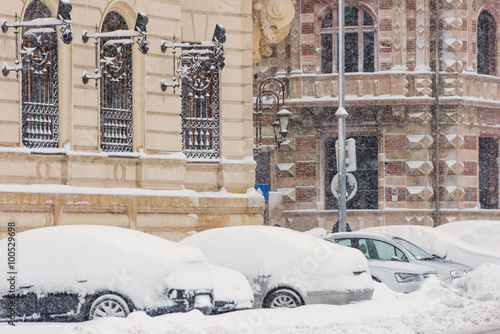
[480,233]
[286,268]
[75,273]
[232,292]
[387,248]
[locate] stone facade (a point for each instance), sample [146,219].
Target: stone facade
[425,119]
[155,187]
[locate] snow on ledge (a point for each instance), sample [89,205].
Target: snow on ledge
[253,197]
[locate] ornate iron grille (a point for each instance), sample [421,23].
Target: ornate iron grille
[200,110]
[40,85]
[116,88]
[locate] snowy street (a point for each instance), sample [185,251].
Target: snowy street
[467,305]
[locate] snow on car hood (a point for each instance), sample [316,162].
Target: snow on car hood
[440,243]
[269,256]
[87,259]
[231,286]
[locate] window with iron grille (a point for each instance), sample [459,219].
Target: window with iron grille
[200,109]
[116,88]
[359,41]
[40,99]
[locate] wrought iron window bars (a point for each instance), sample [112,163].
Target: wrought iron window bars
[196,71]
[111,55]
[35,37]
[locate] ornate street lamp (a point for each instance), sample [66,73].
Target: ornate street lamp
[271,98]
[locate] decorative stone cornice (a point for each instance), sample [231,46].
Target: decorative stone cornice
[271,24]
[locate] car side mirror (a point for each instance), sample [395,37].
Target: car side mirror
[395,258]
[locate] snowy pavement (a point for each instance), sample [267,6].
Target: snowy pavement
[468,305]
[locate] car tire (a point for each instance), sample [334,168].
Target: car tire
[282,298]
[108,305]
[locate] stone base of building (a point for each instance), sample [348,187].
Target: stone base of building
[170,214]
[359,219]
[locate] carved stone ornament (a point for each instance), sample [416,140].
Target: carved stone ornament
[271,24]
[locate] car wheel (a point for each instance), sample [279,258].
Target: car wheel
[108,306]
[282,298]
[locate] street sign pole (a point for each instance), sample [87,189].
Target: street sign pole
[341,115]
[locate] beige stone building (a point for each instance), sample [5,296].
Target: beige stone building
[422,94]
[118,150]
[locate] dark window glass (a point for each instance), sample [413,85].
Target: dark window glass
[351,52]
[116,88]
[486,44]
[351,16]
[359,41]
[367,20]
[369,52]
[326,53]
[40,85]
[327,21]
[366,175]
[488,173]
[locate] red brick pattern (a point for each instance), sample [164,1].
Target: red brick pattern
[305,169]
[305,194]
[394,142]
[305,144]
[401,194]
[395,168]
[470,168]
[470,142]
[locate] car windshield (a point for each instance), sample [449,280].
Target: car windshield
[416,251]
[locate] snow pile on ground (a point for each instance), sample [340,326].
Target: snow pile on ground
[467,305]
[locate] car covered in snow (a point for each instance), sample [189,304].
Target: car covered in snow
[84,272]
[232,292]
[387,248]
[286,268]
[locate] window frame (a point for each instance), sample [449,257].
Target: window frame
[116,110]
[360,30]
[40,114]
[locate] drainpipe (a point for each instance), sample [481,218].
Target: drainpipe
[435,124]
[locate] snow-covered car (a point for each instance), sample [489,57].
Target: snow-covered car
[481,233]
[286,268]
[84,272]
[232,292]
[441,243]
[387,248]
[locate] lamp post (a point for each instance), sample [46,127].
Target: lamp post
[271,98]
[342,115]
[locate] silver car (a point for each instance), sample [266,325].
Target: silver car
[387,248]
[286,268]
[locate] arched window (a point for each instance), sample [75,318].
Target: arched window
[116,87]
[40,99]
[200,109]
[486,44]
[359,41]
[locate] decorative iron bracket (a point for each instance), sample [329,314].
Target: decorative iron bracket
[194,57]
[111,55]
[34,38]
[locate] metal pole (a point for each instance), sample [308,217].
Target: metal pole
[341,115]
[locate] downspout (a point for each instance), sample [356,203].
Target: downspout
[435,126]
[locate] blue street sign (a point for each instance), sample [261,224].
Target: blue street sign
[263,189]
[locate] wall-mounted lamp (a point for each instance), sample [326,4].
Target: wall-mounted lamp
[36,37]
[271,98]
[194,57]
[111,56]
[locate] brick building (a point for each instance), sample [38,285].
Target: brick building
[423,97]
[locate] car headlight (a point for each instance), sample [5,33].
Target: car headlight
[457,273]
[407,277]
